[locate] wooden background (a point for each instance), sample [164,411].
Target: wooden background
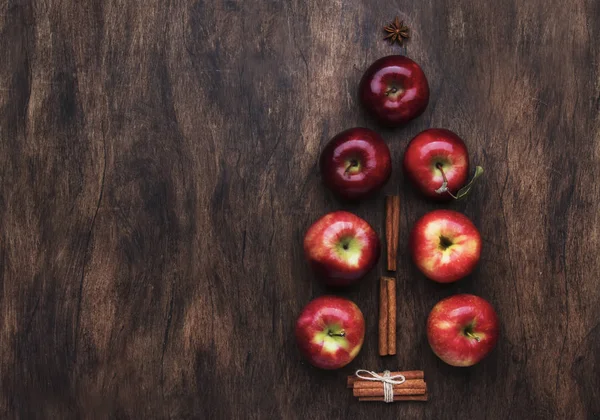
[159,169]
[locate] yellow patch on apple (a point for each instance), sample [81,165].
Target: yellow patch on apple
[445,325]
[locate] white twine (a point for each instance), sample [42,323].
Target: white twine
[387,380]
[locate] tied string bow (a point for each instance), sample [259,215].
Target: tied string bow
[387,380]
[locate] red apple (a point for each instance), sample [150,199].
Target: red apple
[355,163]
[330,332]
[445,245]
[341,248]
[462,329]
[394,90]
[432,155]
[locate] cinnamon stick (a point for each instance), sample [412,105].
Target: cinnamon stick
[408,374]
[391,295]
[383,317]
[410,383]
[378,392]
[392,228]
[398,398]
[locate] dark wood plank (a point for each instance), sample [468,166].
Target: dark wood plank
[159,172]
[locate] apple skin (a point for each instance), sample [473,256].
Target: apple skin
[355,163]
[341,248]
[394,90]
[445,245]
[462,329]
[433,147]
[330,332]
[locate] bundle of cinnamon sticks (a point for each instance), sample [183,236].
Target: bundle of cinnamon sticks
[413,388]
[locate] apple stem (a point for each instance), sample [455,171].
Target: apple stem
[471,335]
[332,334]
[464,191]
[444,187]
[353,164]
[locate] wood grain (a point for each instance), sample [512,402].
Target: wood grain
[159,170]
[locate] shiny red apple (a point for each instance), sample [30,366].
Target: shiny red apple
[462,329]
[436,158]
[394,90]
[341,248]
[330,332]
[355,163]
[445,245]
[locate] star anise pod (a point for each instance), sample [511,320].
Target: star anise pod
[396,31]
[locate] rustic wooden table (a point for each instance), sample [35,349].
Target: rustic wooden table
[159,171]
